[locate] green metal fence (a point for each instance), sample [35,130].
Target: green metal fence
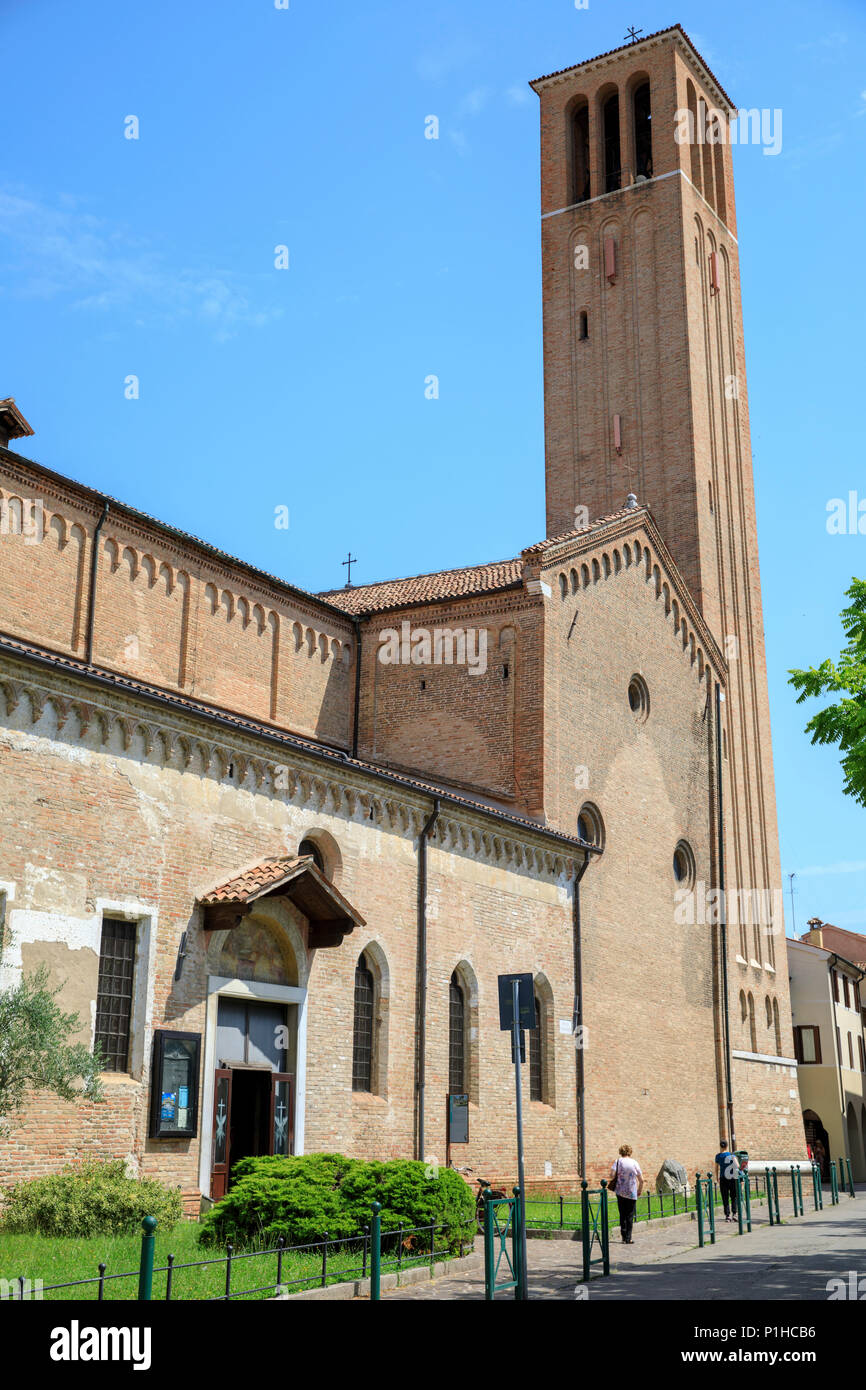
[594,1229]
[503,1266]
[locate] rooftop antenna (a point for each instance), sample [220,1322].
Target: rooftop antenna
[791,878]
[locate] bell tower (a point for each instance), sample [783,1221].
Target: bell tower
[645,393]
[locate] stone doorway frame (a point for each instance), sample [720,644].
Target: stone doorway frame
[218,986]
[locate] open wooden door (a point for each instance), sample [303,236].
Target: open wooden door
[282,1140]
[221,1145]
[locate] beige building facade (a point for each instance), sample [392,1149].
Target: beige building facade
[831,1050]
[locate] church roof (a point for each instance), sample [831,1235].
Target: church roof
[625,47]
[447,584]
[427,588]
[597,525]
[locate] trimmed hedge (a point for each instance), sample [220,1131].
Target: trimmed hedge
[303,1198]
[90,1198]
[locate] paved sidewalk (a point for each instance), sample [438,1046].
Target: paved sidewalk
[791,1261]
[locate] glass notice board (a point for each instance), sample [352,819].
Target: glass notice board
[174,1085]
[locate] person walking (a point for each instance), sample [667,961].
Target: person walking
[626,1180]
[728,1173]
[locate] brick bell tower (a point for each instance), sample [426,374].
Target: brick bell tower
[645,392]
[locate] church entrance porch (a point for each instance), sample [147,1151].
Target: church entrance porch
[254,1084]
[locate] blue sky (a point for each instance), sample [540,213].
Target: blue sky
[408,257]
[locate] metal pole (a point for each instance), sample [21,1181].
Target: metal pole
[145,1269]
[521,1176]
[700,1207]
[584,1227]
[376,1254]
[489,1261]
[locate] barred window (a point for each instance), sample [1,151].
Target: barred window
[114,992]
[457,1038]
[536,1055]
[362,1050]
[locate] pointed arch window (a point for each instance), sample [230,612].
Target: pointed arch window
[536,1055]
[456,1037]
[753,1032]
[362,1044]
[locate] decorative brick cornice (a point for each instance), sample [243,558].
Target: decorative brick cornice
[265,762]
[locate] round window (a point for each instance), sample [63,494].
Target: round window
[638,698]
[684,864]
[590,826]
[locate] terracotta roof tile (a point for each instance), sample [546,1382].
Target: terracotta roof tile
[427,588]
[621,48]
[597,525]
[252,882]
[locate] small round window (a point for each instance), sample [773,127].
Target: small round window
[590,826]
[684,865]
[638,698]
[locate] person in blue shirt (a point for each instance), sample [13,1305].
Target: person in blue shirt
[728,1173]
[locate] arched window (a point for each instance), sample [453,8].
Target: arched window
[643,135]
[362,1046]
[684,864]
[310,848]
[769,1011]
[583,329]
[694,152]
[721,199]
[610,136]
[536,1055]
[456,1037]
[580,154]
[753,1033]
[706,150]
[590,826]
[744,1008]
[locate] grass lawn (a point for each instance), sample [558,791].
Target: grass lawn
[57,1260]
[544,1213]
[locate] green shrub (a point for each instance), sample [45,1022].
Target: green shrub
[88,1199]
[304,1198]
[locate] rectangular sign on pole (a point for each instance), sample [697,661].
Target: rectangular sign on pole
[526,1001]
[458,1119]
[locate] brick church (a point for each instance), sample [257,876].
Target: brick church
[277,846]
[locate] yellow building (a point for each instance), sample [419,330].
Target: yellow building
[831,1051]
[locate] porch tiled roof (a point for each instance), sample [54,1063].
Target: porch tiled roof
[252,883]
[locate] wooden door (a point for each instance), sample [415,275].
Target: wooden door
[282,1135]
[221,1143]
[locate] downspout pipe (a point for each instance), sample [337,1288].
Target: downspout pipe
[421,1011]
[720,831]
[578,1022]
[91,601]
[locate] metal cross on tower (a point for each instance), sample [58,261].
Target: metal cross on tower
[633,33]
[352,560]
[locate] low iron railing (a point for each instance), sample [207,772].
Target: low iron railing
[370,1254]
